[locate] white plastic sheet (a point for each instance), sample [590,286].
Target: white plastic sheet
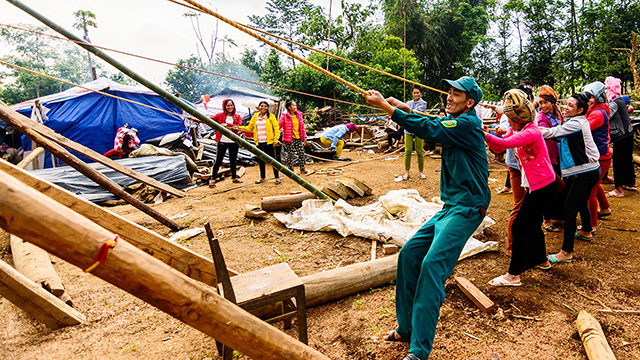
[394,218]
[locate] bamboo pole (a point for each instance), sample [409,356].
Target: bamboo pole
[18,122]
[173,99]
[75,239]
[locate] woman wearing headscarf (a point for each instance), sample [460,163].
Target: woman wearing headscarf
[333,137]
[538,179]
[229,119]
[266,133]
[598,118]
[550,116]
[293,134]
[621,133]
[580,169]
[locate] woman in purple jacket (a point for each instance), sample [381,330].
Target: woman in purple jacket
[538,177]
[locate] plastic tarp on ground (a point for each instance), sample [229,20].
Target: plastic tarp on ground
[171,170]
[92,119]
[394,218]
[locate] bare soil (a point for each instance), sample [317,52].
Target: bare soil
[535,321]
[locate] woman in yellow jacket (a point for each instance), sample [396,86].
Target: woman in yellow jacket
[266,133]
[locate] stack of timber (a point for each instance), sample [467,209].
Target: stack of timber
[345,188]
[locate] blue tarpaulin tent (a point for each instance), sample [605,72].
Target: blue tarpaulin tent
[92,119]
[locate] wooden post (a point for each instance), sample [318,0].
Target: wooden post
[18,122]
[66,234]
[272,203]
[34,263]
[36,301]
[31,157]
[187,262]
[595,344]
[478,297]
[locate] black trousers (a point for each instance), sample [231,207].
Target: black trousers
[271,151]
[556,208]
[233,155]
[578,191]
[623,168]
[528,249]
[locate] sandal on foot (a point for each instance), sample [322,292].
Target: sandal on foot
[259,181]
[543,267]
[501,281]
[212,185]
[391,337]
[237,181]
[422,177]
[551,228]
[603,215]
[504,191]
[630,188]
[554,260]
[583,238]
[614,194]
[411,357]
[405,177]
[278,182]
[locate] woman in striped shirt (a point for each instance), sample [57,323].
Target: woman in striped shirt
[266,133]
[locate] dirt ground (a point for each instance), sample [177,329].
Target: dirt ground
[535,321]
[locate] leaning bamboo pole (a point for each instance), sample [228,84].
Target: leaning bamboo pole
[173,99]
[64,233]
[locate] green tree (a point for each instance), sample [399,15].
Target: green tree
[84,21]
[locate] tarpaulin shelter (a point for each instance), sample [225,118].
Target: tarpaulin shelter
[92,119]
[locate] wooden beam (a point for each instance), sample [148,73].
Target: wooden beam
[19,123]
[35,264]
[374,245]
[35,301]
[272,203]
[187,262]
[75,239]
[91,154]
[593,339]
[31,157]
[478,297]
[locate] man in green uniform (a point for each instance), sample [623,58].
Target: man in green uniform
[428,258]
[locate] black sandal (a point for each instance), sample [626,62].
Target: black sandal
[411,357]
[391,337]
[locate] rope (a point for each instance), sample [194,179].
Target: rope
[324,52]
[103,251]
[276,46]
[187,67]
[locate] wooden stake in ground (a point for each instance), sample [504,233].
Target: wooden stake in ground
[36,301]
[595,344]
[20,123]
[75,239]
[478,297]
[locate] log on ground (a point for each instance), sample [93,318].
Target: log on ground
[35,264]
[283,202]
[593,339]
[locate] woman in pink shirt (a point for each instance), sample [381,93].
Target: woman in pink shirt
[538,177]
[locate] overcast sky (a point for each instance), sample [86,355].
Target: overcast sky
[153,28]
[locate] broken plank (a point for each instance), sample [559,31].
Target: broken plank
[35,301]
[352,194]
[478,297]
[337,189]
[187,262]
[367,190]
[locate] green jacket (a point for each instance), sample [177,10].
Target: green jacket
[465,169]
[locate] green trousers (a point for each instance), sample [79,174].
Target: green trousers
[424,264]
[408,149]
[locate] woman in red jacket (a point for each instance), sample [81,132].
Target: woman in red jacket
[293,134]
[229,119]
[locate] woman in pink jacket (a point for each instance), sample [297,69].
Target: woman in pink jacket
[538,178]
[293,134]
